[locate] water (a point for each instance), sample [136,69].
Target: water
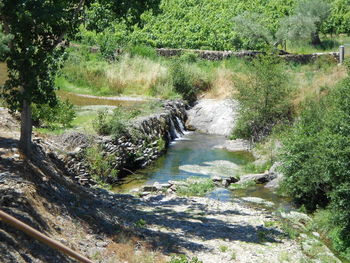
[182,160]
[83,100]
[195,155]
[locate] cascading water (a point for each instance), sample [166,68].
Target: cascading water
[180,125]
[173,131]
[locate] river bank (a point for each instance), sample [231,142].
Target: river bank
[110,227]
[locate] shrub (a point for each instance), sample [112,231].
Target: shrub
[142,51]
[265,99]
[316,160]
[59,115]
[182,81]
[115,124]
[184,259]
[101,165]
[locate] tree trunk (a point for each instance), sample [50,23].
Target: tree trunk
[25,142]
[315,39]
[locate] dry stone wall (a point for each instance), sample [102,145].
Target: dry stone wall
[154,133]
[220,55]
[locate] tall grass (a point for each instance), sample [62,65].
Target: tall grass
[140,72]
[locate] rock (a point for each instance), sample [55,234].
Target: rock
[101,244]
[275,175]
[149,188]
[238,145]
[213,116]
[161,187]
[258,200]
[216,179]
[257,178]
[296,217]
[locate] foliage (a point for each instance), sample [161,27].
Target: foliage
[297,28]
[250,27]
[142,51]
[37,29]
[306,22]
[316,161]
[265,99]
[184,259]
[62,114]
[109,40]
[182,81]
[129,11]
[339,19]
[115,124]
[99,16]
[4,40]
[100,164]
[186,82]
[196,187]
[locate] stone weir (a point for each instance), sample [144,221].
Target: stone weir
[147,140]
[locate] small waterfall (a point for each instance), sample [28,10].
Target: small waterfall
[173,132]
[180,125]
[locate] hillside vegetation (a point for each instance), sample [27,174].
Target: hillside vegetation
[215,25]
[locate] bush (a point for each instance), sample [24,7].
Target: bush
[316,160]
[115,124]
[60,115]
[182,81]
[265,99]
[101,165]
[142,51]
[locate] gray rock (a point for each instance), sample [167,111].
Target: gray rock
[258,200]
[257,178]
[238,145]
[101,244]
[213,116]
[275,175]
[149,188]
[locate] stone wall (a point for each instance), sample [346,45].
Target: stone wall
[128,152]
[220,55]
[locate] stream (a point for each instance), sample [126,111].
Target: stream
[195,155]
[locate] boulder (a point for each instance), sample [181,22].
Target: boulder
[275,175]
[213,116]
[257,178]
[238,145]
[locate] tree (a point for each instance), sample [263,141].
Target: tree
[38,29]
[251,26]
[296,28]
[102,13]
[307,20]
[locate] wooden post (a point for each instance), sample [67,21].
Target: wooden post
[341,54]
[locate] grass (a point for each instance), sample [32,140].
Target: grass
[196,187]
[329,44]
[242,186]
[223,249]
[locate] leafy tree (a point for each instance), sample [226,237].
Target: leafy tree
[296,28]
[265,99]
[4,40]
[102,13]
[307,20]
[251,26]
[38,29]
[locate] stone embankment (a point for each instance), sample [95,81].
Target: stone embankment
[127,153]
